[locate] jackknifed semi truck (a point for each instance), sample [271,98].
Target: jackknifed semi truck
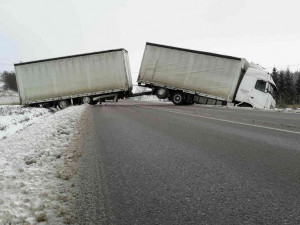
[76,79]
[187,76]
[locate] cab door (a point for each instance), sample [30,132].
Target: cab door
[259,95]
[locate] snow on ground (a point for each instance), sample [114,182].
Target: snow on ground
[148,98]
[5,93]
[9,100]
[14,118]
[8,97]
[286,110]
[37,166]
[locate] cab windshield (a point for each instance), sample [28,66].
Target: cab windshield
[272,89]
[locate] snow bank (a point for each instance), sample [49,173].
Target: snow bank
[287,110]
[37,166]
[14,118]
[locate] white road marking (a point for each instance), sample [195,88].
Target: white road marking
[227,121]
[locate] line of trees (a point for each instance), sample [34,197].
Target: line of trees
[288,85]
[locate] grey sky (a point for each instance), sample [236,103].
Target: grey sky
[263,31]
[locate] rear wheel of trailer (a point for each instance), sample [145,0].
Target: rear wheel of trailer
[62,104]
[161,93]
[177,98]
[86,100]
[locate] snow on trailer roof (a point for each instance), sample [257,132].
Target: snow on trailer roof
[70,56]
[194,51]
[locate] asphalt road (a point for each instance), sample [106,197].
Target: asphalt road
[147,163]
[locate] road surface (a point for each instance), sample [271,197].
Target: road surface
[155,163]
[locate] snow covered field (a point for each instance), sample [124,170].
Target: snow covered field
[15,118]
[37,166]
[10,98]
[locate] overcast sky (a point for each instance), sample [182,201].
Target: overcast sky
[263,31]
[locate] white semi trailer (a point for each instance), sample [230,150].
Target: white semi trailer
[186,76]
[75,79]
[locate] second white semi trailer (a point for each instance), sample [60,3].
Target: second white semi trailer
[186,76]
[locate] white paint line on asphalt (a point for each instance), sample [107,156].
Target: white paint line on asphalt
[227,121]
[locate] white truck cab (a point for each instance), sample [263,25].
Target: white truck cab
[257,88]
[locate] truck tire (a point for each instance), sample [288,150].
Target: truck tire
[161,93]
[86,100]
[177,98]
[62,104]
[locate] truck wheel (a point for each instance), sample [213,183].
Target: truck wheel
[62,104]
[161,93]
[177,98]
[86,100]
